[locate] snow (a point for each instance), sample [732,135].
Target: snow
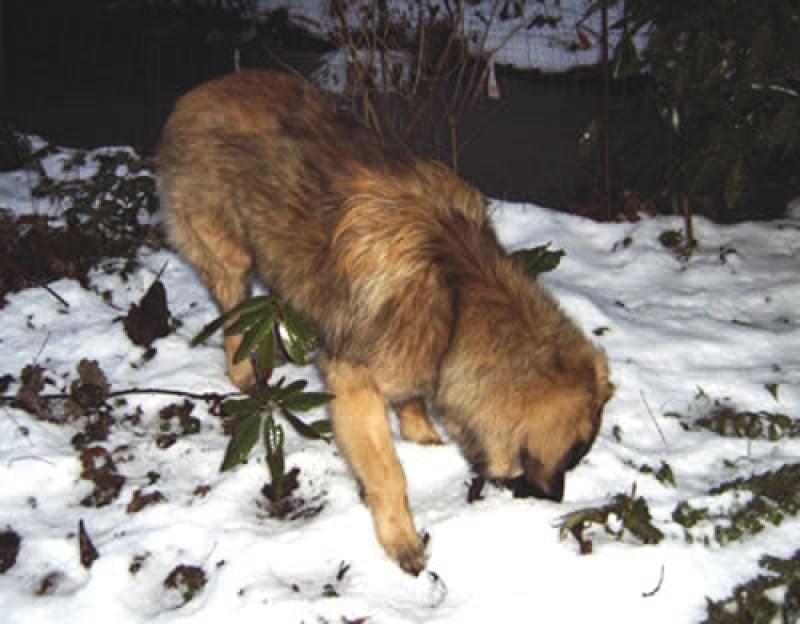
[721,325]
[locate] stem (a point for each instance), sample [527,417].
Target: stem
[688,223]
[452,121]
[606,111]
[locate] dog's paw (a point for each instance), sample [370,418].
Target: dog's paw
[411,557]
[427,437]
[401,541]
[415,426]
[410,554]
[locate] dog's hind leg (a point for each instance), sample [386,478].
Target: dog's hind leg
[415,424]
[224,265]
[361,426]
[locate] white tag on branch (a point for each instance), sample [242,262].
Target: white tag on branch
[493,88]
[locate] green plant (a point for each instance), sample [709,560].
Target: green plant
[109,203]
[726,85]
[100,221]
[679,243]
[731,423]
[265,323]
[757,601]
[630,512]
[769,497]
[254,419]
[539,259]
[662,474]
[727,421]
[260,321]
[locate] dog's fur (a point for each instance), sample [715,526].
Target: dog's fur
[395,261]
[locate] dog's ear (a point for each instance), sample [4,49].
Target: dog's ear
[605,389]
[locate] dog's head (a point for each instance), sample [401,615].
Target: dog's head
[555,432]
[527,425]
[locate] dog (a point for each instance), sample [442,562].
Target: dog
[394,259]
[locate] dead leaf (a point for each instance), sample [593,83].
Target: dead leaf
[139,500]
[88,552]
[189,580]
[29,394]
[9,549]
[92,387]
[148,320]
[98,467]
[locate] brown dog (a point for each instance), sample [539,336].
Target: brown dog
[395,261]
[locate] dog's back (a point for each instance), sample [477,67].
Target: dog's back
[258,171]
[259,154]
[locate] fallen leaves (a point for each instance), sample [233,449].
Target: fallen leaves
[99,468]
[10,542]
[150,318]
[86,548]
[186,579]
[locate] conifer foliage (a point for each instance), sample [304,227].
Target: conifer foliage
[726,77]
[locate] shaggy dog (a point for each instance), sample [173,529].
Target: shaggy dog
[394,259]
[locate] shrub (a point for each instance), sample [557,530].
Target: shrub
[726,84]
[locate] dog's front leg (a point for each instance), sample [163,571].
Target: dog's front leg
[361,426]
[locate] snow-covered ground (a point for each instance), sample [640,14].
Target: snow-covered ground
[723,325]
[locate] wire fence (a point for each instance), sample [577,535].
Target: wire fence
[545,35]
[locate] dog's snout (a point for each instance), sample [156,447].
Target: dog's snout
[522,487]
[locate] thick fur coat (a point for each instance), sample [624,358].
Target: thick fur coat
[394,259]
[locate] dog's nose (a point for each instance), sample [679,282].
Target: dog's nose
[523,488]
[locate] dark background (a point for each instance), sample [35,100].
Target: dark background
[82,75]
[91,73]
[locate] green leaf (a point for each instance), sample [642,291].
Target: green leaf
[273,443]
[306,401]
[254,304]
[538,260]
[242,441]
[305,430]
[300,339]
[781,126]
[633,513]
[244,322]
[760,53]
[576,519]
[626,62]
[323,427]
[682,82]
[262,331]
[665,475]
[735,184]
[773,388]
[295,387]
[241,407]
[637,520]
[209,330]
[266,353]
[275,393]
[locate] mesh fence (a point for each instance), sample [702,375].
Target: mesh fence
[547,35]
